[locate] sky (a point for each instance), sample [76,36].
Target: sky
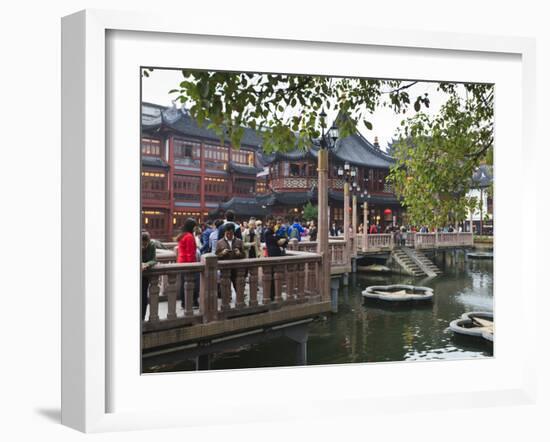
[385,121]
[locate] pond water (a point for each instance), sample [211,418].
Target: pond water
[367,332]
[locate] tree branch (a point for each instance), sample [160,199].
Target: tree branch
[400,88]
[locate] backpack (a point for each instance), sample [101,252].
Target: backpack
[294,233]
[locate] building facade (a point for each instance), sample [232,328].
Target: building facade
[186,171]
[292,181]
[480,220]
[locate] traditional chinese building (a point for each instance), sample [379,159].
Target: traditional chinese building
[187,171]
[481,219]
[292,180]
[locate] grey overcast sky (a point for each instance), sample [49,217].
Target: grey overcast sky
[385,121]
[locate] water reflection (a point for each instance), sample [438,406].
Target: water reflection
[377,332]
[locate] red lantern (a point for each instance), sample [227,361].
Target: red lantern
[387,212]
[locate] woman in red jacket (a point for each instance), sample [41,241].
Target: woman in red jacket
[187,252]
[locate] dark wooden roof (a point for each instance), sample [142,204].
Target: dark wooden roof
[148,161]
[354,149]
[243,169]
[242,207]
[154,116]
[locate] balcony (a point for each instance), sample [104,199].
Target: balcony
[155,195]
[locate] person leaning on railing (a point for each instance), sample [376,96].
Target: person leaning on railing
[187,252]
[230,247]
[148,260]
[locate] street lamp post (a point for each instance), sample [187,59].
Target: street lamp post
[349,174]
[366,198]
[328,140]
[355,190]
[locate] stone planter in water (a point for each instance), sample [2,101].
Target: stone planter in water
[474,324]
[480,255]
[398,293]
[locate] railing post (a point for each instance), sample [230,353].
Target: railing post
[154,292]
[290,284]
[240,283]
[225,286]
[209,288]
[267,281]
[172,295]
[436,239]
[278,282]
[188,291]
[300,276]
[253,286]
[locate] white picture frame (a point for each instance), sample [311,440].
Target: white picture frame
[87,215]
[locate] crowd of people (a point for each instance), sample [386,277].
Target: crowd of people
[229,239]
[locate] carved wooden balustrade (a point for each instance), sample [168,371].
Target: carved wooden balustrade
[232,288]
[359,242]
[352,250]
[423,240]
[377,242]
[338,252]
[465,239]
[443,239]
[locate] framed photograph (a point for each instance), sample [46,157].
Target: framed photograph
[303,154]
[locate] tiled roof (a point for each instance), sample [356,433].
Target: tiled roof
[354,149]
[154,162]
[243,207]
[243,169]
[154,116]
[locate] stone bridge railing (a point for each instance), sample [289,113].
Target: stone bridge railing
[292,279]
[337,250]
[386,241]
[440,240]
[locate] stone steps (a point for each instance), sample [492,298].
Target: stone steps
[414,262]
[407,263]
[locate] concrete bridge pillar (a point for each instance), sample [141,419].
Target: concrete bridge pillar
[334,289]
[202,362]
[300,336]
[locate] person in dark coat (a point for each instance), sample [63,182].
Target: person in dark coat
[275,245]
[148,260]
[230,247]
[313,231]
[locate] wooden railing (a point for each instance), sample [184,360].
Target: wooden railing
[377,242]
[337,250]
[290,279]
[423,240]
[439,239]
